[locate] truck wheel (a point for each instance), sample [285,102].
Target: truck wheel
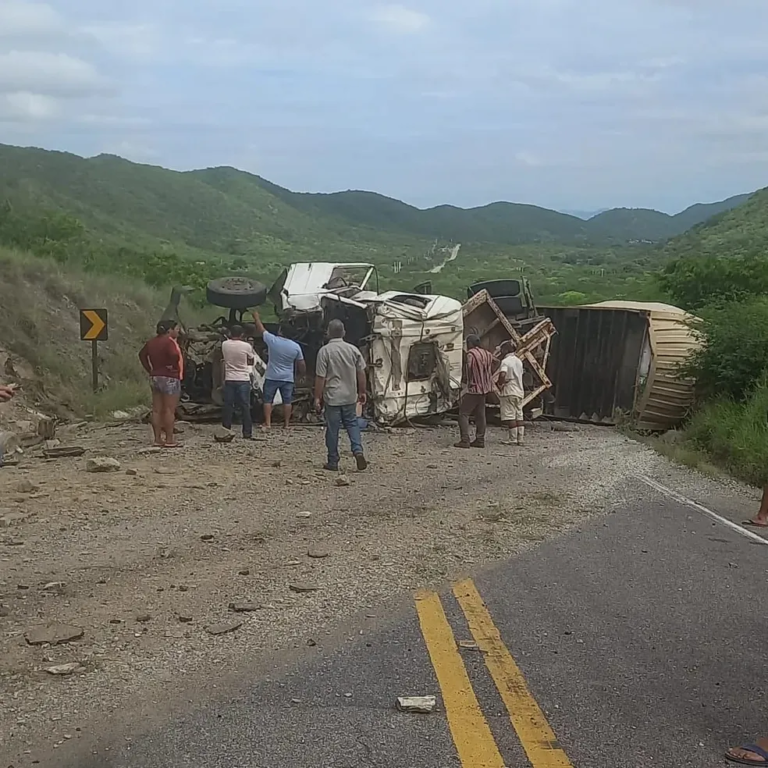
[236,293]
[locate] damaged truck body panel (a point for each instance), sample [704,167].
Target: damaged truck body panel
[621,360]
[415,355]
[484,318]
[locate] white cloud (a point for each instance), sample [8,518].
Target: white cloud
[529,159]
[398,18]
[25,107]
[21,20]
[106,119]
[140,41]
[57,74]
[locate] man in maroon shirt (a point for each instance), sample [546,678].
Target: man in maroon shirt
[162,359]
[479,383]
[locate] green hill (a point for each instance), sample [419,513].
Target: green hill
[741,231]
[509,223]
[226,211]
[644,224]
[112,215]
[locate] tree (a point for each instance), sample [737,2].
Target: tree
[696,281]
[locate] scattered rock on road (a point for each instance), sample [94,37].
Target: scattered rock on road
[26,486]
[342,481]
[222,435]
[318,552]
[303,515]
[420,704]
[223,628]
[7,519]
[244,607]
[303,587]
[63,452]
[65,669]
[102,464]
[53,634]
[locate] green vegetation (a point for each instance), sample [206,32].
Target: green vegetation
[734,435]
[39,302]
[719,271]
[109,215]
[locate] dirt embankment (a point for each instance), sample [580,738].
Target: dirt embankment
[200,559]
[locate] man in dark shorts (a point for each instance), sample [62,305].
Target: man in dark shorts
[161,358]
[285,360]
[479,384]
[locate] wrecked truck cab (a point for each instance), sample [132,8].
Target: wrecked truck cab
[412,344]
[415,355]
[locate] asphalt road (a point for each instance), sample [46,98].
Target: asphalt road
[637,640]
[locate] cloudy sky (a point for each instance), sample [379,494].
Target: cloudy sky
[564,103]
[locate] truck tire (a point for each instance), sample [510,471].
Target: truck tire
[236,292]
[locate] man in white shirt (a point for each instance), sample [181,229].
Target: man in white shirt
[511,393]
[238,361]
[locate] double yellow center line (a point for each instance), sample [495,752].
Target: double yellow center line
[471,734]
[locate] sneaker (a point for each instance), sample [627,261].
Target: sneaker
[477,444]
[461,445]
[331,467]
[361,462]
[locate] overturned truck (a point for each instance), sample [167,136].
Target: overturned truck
[413,343]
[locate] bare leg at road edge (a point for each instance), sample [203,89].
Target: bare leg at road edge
[169,418]
[760,520]
[157,418]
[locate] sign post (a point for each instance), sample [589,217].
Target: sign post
[94,327]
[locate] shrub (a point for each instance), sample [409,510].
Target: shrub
[695,282]
[734,356]
[735,434]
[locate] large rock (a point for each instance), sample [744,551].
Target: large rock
[53,634]
[102,464]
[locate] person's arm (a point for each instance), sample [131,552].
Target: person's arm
[146,363]
[362,381]
[321,371]
[301,364]
[6,392]
[260,329]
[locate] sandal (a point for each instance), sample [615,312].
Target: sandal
[755,749]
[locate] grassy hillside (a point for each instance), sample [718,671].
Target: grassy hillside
[742,231]
[644,224]
[39,325]
[508,223]
[111,215]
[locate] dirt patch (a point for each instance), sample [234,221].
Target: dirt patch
[184,561]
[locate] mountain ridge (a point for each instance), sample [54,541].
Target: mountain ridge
[216,208]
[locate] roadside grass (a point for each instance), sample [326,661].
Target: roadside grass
[723,436]
[735,435]
[39,328]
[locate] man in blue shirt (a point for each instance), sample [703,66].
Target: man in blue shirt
[284,361]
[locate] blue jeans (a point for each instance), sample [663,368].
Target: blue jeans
[238,393]
[337,416]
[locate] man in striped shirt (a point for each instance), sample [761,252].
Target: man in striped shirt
[479,384]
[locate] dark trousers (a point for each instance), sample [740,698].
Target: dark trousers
[336,417]
[472,405]
[238,394]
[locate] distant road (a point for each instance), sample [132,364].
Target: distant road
[452,257]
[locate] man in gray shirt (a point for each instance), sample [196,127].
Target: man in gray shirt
[340,384]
